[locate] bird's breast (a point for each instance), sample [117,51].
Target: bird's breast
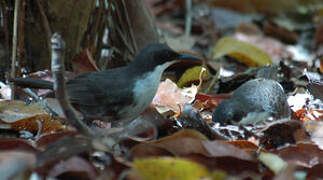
[143,92]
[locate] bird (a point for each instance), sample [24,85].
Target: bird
[124,92]
[256,95]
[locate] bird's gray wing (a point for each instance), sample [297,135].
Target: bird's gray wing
[95,93]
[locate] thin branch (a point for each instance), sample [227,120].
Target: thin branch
[123,26]
[58,48]
[130,28]
[21,37]
[188,20]
[14,46]
[45,24]
[6,32]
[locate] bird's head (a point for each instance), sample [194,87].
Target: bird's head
[154,55]
[228,111]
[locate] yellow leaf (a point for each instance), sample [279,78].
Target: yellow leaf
[273,162]
[167,168]
[242,51]
[191,75]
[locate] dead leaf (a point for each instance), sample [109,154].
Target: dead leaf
[210,101]
[148,150]
[83,62]
[273,162]
[12,111]
[190,139]
[315,128]
[242,51]
[17,145]
[46,124]
[75,168]
[222,149]
[193,75]
[170,97]
[274,48]
[245,145]
[282,133]
[302,154]
[160,168]
[281,33]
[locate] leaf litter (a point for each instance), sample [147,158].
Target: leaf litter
[185,143]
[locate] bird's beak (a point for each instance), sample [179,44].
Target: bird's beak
[188,57]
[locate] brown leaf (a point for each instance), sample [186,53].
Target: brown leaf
[16,144]
[83,62]
[306,155]
[148,150]
[210,101]
[281,33]
[245,145]
[63,148]
[221,149]
[12,111]
[75,168]
[232,165]
[44,122]
[48,139]
[282,133]
[182,146]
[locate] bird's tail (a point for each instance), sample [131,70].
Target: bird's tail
[32,83]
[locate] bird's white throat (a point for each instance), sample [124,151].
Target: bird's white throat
[145,89]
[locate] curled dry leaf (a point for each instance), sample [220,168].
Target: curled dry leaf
[170,97]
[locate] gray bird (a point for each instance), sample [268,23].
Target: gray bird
[119,93]
[258,95]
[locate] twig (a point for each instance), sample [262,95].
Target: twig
[39,130]
[122,26]
[188,19]
[45,24]
[214,79]
[6,32]
[14,46]
[130,28]
[57,50]
[94,28]
[41,101]
[21,37]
